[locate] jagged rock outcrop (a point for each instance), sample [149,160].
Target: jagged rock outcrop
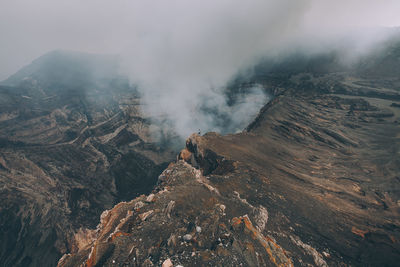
[168,228]
[313,181]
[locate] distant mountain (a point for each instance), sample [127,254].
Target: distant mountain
[66,69]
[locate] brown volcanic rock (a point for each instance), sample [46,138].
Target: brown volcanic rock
[171,232]
[313,181]
[69,149]
[185,155]
[54,186]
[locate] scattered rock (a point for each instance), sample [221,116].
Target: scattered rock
[169,208]
[172,241]
[261,218]
[167,263]
[139,205]
[326,254]
[187,237]
[150,198]
[146,214]
[221,208]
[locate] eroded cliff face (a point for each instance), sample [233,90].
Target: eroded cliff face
[70,147]
[314,180]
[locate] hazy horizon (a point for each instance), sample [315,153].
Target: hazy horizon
[29,29]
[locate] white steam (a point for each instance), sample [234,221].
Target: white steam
[184,55]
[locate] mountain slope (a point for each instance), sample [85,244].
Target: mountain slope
[314,180]
[73,142]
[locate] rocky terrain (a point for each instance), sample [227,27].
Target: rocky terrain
[73,142]
[312,181]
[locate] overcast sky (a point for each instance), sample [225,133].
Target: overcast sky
[30,28]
